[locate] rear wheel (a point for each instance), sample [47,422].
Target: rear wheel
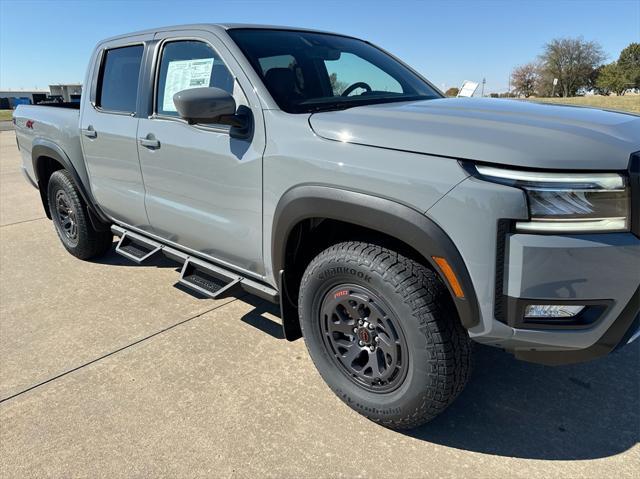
[71,219]
[383,333]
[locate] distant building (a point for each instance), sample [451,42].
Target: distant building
[68,92]
[12,98]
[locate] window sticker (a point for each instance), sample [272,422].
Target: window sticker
[183,75]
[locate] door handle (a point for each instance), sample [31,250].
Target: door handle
[149,142]
[89,132]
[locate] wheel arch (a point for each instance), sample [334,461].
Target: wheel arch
[47,157]
[314,204]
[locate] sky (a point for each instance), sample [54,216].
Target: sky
[50,41]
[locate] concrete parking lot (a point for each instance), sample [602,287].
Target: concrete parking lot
[108,370]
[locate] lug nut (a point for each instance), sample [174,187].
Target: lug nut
[372,348]
[377,339]
[360,343]
[360,322]
[355,330]
[370,326]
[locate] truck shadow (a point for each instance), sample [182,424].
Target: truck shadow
[258,317]
[517,409]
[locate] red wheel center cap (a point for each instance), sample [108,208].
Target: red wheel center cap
[364,335]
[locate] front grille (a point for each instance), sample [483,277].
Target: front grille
[499,306]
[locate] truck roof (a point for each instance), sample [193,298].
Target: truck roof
[213,27]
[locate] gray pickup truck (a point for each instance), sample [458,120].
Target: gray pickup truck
[391,225]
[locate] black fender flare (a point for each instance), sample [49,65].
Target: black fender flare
[45,149]
[380,214]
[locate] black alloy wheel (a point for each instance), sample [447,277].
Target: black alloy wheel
[363,336]
[66,216]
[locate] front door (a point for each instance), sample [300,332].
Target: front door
[109,126]
[203,187]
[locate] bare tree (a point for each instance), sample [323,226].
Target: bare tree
[525,79]
[571,61]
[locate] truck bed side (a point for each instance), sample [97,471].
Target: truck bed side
[41,130]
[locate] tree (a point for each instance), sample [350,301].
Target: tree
[613,77]
[336,85]
[571,61]
[453,91]
[544,85]
[525,79]
[597,87]
[629,62]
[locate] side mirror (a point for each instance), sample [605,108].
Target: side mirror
[214,105]
[204,105]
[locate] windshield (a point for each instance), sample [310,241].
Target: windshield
[307,71]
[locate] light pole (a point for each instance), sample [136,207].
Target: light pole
[484,80]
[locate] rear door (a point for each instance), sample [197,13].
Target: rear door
[203,187]
[109,123]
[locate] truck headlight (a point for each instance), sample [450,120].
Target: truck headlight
[568,202]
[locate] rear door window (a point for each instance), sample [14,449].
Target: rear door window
[118,81]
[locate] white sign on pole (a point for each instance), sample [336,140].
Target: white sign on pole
[468,89]
[555,81]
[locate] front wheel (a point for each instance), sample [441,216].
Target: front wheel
[71,219]
[383,333]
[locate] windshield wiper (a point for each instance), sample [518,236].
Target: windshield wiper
[335,106]
[344,105]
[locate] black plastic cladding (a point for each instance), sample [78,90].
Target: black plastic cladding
[380,214]
[634,183]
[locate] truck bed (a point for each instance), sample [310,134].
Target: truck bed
[53,126]
[72,105]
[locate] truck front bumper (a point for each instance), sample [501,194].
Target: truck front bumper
[510,270]
[599,272]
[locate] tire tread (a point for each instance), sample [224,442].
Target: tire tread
[446,340]
[91,243]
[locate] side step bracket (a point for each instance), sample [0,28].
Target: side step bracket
[137,248]
[209,280]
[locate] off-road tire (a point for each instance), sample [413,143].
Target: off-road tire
[438,347]
[85,241]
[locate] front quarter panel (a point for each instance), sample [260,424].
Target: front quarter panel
[470,215]
[295,156]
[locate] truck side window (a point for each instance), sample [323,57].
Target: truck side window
[189,64]
[118,81]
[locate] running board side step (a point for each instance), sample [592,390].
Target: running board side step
[136,248]
[209,280]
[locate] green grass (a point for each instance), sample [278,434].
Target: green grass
[5,115]
[624,103]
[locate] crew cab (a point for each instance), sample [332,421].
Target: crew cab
[395,227]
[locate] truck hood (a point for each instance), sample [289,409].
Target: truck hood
[505,132]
